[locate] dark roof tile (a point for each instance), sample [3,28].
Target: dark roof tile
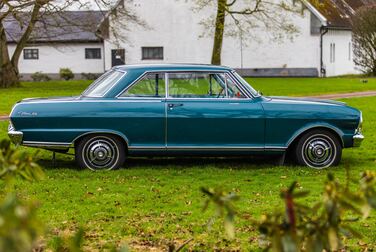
[339,12]
[68,26]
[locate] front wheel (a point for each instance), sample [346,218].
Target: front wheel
[100,152]
[318,149]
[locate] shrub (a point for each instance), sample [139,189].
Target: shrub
[322,226]
[39,76]
[90,76]
[66,74]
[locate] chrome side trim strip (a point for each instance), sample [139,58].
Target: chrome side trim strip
[266,148]
[46,144]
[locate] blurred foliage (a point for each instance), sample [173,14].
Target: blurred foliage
[19,225]
[224,203]
[316,228]
[16,163]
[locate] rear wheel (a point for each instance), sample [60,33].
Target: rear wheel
[100,152]
[318,149]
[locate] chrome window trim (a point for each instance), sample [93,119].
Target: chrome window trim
[242,85]
[228,72]
[136,81]
[112,86]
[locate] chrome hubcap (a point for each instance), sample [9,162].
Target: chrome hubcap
[319,151]
[100,153]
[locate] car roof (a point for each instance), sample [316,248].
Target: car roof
[172,67]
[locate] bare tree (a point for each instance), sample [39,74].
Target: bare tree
[241,17]
[364,39]
[30,16]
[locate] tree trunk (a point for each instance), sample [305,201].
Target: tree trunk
[9,75]
[8,71]
[219,31]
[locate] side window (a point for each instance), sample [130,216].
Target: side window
[196,85]
[151,85]
[233,90]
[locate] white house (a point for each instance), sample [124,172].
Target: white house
[322,47]
[60,42]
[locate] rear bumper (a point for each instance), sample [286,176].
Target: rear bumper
[357,139]
[15,136]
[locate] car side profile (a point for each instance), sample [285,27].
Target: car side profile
[171,110]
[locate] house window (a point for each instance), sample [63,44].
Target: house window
[31,54]
[152,53]
[350,51]
[332,52]
[92,53]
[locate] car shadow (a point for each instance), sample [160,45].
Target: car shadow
[249,162]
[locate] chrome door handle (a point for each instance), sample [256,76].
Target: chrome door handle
[172,105]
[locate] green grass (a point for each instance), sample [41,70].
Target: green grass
[311,86]
[269,86]
[153,202]
[10,96]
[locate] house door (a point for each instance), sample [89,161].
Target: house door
[118,57]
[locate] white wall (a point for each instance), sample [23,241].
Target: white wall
[52,58]
[177,28]
[343,56]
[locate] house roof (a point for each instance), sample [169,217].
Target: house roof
[338,13]
[67,26]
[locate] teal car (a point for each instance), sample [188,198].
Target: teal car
[171,110]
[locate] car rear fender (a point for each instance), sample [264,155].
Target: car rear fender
[110,132]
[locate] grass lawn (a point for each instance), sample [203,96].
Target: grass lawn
[153,202]
[268,86]
[311,86]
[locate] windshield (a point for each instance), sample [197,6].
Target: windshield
[246,84]
[103,84]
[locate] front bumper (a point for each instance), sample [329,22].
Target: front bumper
[358,139]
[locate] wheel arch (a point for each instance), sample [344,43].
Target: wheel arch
[121,136]
[337,132]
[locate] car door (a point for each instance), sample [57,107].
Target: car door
[207,111]
[143,119]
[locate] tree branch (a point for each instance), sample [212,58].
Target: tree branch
[25,36]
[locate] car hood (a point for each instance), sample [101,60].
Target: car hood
[304,100]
